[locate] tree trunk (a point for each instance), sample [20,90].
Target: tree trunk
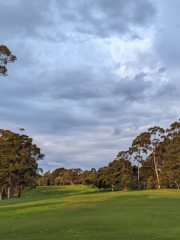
[176,183]
[156,171]
[138,174]
[19,190]
[19,193]
[11,189]
[1,193]
[112,187]
[1,196]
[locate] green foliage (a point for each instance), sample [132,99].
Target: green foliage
[171,161]
[112,175]
[62,176]
[18,162]
[158,153]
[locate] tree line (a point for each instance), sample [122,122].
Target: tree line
[156,153]
[63,176]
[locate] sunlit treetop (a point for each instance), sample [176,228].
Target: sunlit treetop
[5,58]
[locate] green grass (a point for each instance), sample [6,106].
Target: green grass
[81,213]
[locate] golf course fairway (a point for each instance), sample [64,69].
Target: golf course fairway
[83,213]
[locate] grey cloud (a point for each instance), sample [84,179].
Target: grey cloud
[90,154]
[117,131]
[166,43]
[76,85]
[133,90]
[54,120]
[161,70]
[23,18]
[62,20]
[104,18]
[167,90]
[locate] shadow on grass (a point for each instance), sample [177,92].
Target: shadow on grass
[48,193]
[62,191]
[51,196]
[34,207]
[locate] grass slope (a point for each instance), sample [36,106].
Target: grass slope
[81,213]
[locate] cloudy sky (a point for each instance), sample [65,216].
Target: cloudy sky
[90,75]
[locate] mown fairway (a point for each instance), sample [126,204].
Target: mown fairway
[78,212]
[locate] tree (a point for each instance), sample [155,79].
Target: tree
[113,174]
[18,161]
[58,180]
[100,179]
[156,137]
[72,176]
[150,182]
[139,147]
[171,155]
[57,173]
[5,58]
[45,180]
[3,184]
[88,177]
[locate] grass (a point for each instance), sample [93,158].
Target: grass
[81,213]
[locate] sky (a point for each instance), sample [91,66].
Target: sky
[90,75]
